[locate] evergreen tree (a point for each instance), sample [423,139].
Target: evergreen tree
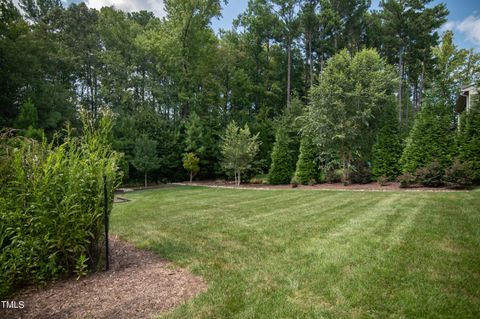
[469,139]
[307,164]
[282,167]
[145,155]
[431,139]
[28,116]
[388,146]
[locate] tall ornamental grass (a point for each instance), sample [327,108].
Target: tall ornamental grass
[51,203]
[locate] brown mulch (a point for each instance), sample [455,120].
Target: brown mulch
[139,284]
[391,186]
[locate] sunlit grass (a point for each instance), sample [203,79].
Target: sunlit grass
[315,254]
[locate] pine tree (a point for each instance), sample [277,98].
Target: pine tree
[145,155]
[469,140]
[431,139]
[388,146]
[281,169]
[307,165]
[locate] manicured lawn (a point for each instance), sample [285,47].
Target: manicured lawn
[315,254]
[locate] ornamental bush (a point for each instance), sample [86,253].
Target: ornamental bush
[469,140]
[51,204]
[430,139]
[388,146]
[281,169]
[307,164]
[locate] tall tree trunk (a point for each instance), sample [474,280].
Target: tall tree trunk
[289,67]
[239,178]
[191,177]
[146,180]
[400,87]
[310,59]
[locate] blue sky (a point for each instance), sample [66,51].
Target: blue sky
[464,17]
[463,20]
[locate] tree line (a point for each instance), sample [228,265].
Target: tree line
[284,67]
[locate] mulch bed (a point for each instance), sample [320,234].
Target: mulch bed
[139,284]
[391,186]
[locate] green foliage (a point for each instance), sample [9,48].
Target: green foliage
[28,116]
[239,148]
[51,203]
[307,165]
[469,139]
[430,139]
[458,175]
[190,163]
[282,167]
[407,179]
[431,174]
[145,155]
[387,149]
[343,114]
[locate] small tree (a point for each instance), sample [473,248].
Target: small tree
[281,169]
[388,146]
[307,164]
[28,116]
[239,147]
[430,139]
[145,155]
[190,163]
[469,139]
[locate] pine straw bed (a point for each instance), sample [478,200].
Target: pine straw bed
[139,284]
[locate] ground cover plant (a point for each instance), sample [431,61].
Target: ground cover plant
[312,254]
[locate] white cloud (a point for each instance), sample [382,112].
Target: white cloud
[156,6]
[468,27]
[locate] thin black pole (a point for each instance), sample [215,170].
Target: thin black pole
[105,214]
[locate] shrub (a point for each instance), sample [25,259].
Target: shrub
[406,180]
[255,180]
[294,182]
[383,180]
[431,175]
[312,182]
[51,204]
[307,166]
[333,175]
[281,170]
[387,149]
[430,139]
[459,175]
[360,174]
[469,139]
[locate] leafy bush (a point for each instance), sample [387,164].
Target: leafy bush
[430,139]
[282,167]
[51,204]
[459,175]
[333,175]
[387,149]
[307,165]
[469,139]
[406,180]
[383,180]
[255,180]
[312,182]
[361,174]
[294,182]
[431,175]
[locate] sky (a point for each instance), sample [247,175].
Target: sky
[463,20]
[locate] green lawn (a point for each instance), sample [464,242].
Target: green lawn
[315,254]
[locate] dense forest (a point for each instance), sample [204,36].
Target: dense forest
[316,83]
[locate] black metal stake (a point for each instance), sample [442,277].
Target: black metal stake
[105,213]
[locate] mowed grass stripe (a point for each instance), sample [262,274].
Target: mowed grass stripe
[315,254]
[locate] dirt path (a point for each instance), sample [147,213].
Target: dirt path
[139,285]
